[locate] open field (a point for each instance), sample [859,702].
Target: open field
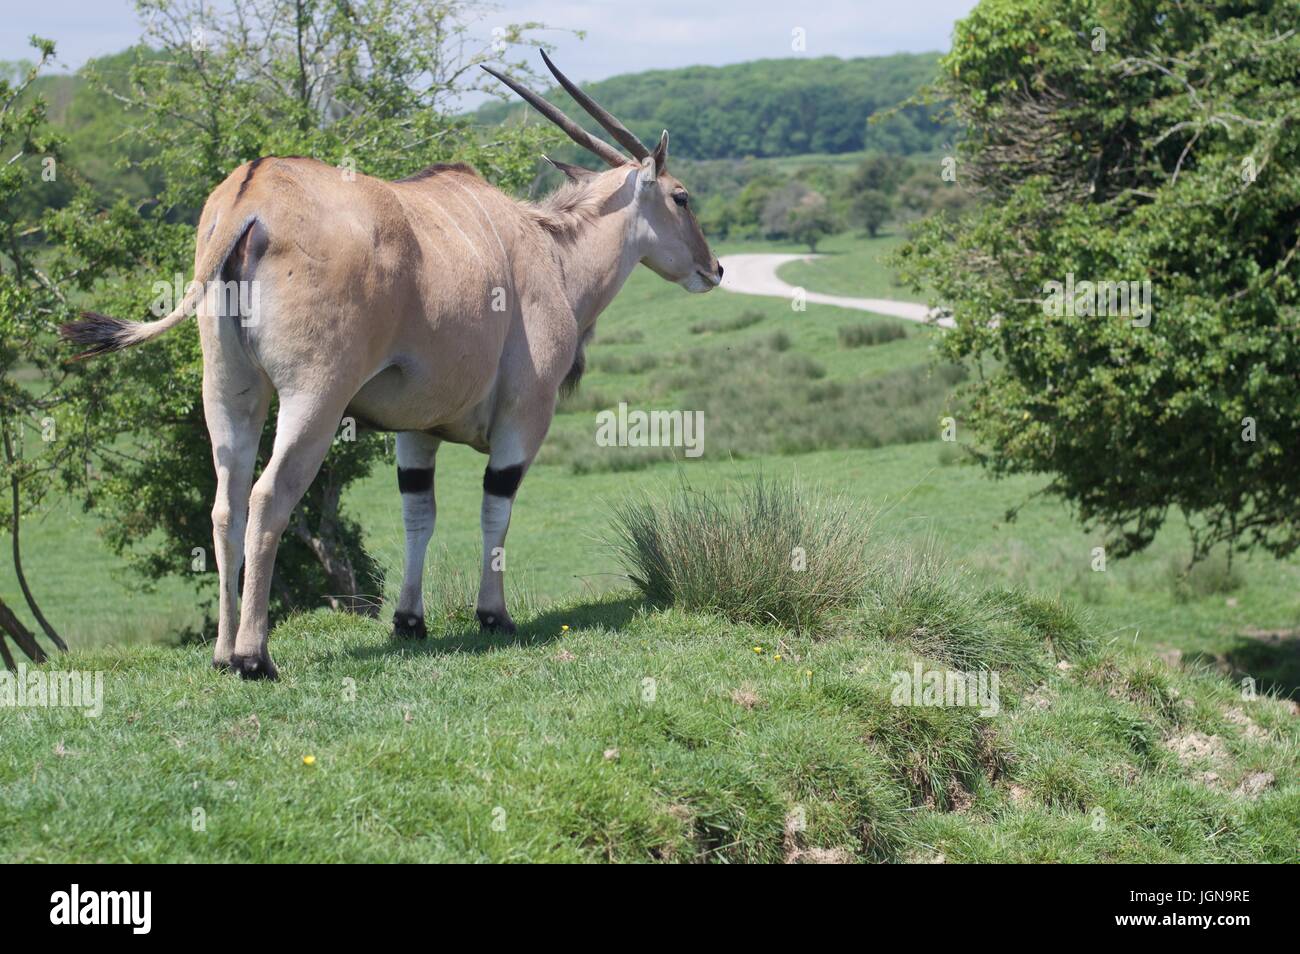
[476,748]
[921,487]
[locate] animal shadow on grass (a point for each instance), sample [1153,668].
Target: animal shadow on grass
[1271,658]
[612,612]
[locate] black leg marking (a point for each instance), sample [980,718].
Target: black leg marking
[503,482]
[409,626]
[415,480]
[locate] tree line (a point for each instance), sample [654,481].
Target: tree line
[765,108]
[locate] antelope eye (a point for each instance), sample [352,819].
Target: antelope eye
[681,198]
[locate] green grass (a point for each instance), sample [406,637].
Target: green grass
[519,725]
[640,735]
[851,265]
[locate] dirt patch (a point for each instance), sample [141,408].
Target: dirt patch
[1236,716]
[1195,747]
[245,730]
[1255,784]
[926,858]
[1173,658]
[796,854]
[820,856]
[959,799]
[746,698]
[1019,794]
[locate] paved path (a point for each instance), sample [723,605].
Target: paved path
[756,275]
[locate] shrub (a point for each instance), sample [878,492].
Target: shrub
[621,336]
[871,333]
[740,554]
[716,325]
[627,364]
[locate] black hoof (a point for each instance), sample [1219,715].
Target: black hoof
[221,665]
[490,622]
[409,626]
[254,667]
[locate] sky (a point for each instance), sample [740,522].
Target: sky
[621,36]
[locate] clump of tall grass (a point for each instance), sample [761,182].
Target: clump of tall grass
[765,551]
[939,610]
[621,336]
[638,363]
[870,333]
[716,325]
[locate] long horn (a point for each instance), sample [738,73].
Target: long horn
[621,133]
[575,132]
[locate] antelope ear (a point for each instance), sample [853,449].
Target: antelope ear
[661,153]
[648,174]
[571,172]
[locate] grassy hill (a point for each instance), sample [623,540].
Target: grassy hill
[638,735]
[1119,687]
[785,107]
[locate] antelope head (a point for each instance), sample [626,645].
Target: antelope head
[665,230]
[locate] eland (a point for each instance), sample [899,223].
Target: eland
[435,306]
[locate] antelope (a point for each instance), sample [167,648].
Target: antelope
[434,306]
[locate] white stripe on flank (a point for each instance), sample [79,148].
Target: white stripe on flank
[458,229]
[469,215]
[505,259]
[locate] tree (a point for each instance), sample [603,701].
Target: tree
[876,172]
[42,449]
[811,221]
[797,212]
[869,210]
[369,86]
[1136,141]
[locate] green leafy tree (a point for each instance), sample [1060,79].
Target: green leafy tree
[797,212]
[811,221]
[368,85]
[869,210]
[44,446]
[1132,140]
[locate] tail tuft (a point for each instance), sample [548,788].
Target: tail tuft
[102,333]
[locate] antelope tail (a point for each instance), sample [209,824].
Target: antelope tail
[101,334]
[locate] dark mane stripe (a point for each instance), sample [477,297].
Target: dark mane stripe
[440,167]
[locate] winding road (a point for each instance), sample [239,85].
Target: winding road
[755,274]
